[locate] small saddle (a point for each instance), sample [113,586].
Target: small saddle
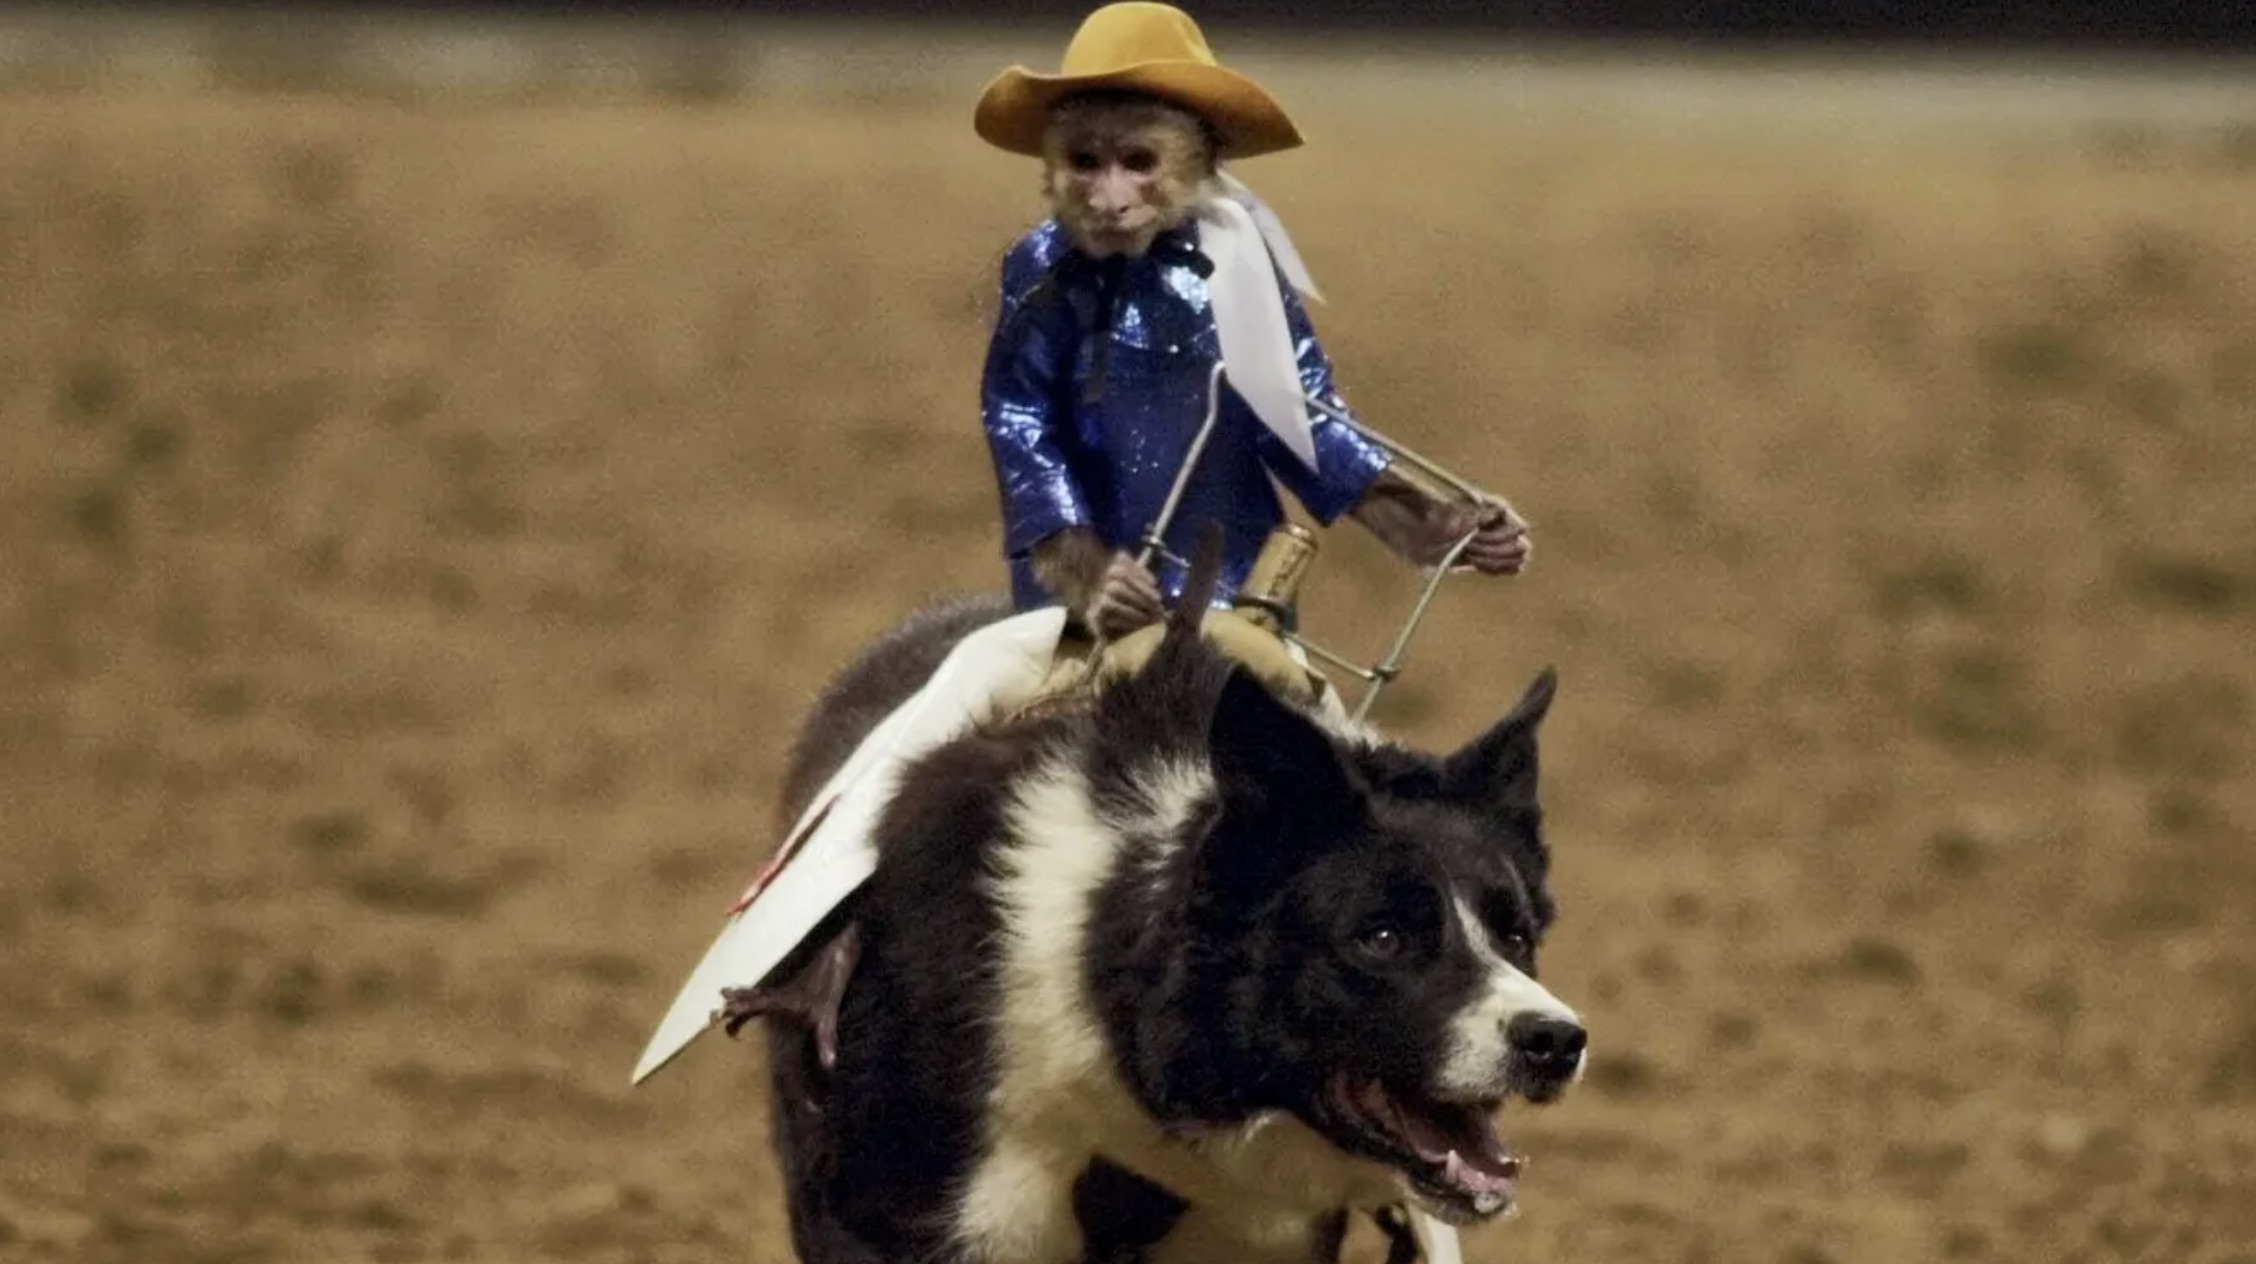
[1251,630]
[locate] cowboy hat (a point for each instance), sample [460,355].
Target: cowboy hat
[1136,47]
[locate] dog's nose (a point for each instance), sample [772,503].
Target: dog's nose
[1551,1044]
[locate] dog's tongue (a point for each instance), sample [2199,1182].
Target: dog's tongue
[1459,1140]
[1463,1141]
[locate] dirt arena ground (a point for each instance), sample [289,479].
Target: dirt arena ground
[419,528]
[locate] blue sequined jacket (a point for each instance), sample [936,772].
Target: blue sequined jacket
[1091,430]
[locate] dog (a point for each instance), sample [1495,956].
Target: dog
[1169,969]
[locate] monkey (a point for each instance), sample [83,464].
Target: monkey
[1118,170]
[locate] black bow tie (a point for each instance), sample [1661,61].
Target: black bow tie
[1179,248]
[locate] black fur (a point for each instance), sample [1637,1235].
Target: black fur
[1122,1215]
[1311,846]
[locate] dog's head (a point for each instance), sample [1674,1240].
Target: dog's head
[1382,911]
[1363,922]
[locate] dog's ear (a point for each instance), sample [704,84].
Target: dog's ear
[1180,642]
[1499,766]
[1272,763]
[1200,581]
[1182,657]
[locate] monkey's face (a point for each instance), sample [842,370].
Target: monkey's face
[1118,172]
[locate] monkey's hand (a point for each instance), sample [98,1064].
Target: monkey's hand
[1127,598]
[1501,545]
[1105,589]
[1423,529]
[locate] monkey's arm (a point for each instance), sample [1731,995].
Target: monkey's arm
[1028,358]
[1412,522]
[1069,564]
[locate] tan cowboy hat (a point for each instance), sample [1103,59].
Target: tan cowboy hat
[1137,47]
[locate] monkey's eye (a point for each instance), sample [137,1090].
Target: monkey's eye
[1141,161]
[1083,160]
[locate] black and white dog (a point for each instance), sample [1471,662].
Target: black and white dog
[1170,971]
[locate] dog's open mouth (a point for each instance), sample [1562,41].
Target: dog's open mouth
[1450,1150]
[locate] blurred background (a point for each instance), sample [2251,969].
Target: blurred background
[442,453]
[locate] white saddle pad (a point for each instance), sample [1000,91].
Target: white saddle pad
[829,852]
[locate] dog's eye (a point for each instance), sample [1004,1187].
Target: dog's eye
[1381,942]
[1517,947]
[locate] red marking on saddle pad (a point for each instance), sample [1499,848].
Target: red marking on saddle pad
[775,864]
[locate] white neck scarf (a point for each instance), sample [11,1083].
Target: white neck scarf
[1248,246]
[1273,232]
